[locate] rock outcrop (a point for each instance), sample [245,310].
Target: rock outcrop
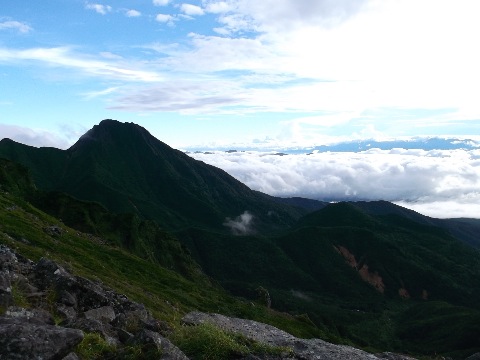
[304,349]
[46,312]
[24,339]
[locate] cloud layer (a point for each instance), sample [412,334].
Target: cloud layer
[439,183]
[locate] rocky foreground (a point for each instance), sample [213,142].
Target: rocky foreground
[63,308]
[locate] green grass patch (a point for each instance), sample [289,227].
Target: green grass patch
[93,346]
[208,342]
[19,297]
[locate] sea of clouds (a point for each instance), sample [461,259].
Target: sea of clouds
[437,183]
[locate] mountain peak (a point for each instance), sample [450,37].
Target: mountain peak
[111,130]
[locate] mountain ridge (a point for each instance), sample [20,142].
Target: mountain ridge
[125,168]
[352,270]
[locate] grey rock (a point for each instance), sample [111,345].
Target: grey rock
[311,349]
[136,320]
[68,313]
[171,352]
[83,304]
[6,297]
[147,337]
[8,259]
[20,339]
[5,285]
[124,336]
[105,330]
[71,356]
[90,295]
[39,316]
[158,342]
[103,314]
[67,298]
[53,230]
[393,356]
[49,273]
[89,326]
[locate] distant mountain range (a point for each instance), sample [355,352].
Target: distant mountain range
[372,274]
[419,143]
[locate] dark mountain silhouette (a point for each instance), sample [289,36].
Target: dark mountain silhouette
[123,167]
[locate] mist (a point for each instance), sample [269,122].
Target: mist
[241,225]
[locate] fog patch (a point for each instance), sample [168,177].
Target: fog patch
[300,295]
[241,225]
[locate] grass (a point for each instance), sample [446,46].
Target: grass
[208,342]
[18,296]
[166,293]
[94,347]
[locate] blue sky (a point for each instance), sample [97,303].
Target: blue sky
[265,74]
[209,72]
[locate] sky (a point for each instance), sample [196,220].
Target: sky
[259,74]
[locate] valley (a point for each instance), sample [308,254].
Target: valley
[155,224]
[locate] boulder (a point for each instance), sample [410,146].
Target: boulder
[148,338]
[6,298]
[38,316]
[104,314]
[305,349]
[71,356]
[22,339]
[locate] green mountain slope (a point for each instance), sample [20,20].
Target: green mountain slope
[355,273]
[123,167]
[166,292]
[466,230]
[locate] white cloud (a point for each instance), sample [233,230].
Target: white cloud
[164,18]
[104,92]
[101,9]
[192,10]
[417,177]
[368,57]
[356,57]
[64,57]
[241,225]
[133,13]
[465,206]
[280,15]
[218,7]
[109,55]
[184,96]
[161,2]
[33,137]
[16,25]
